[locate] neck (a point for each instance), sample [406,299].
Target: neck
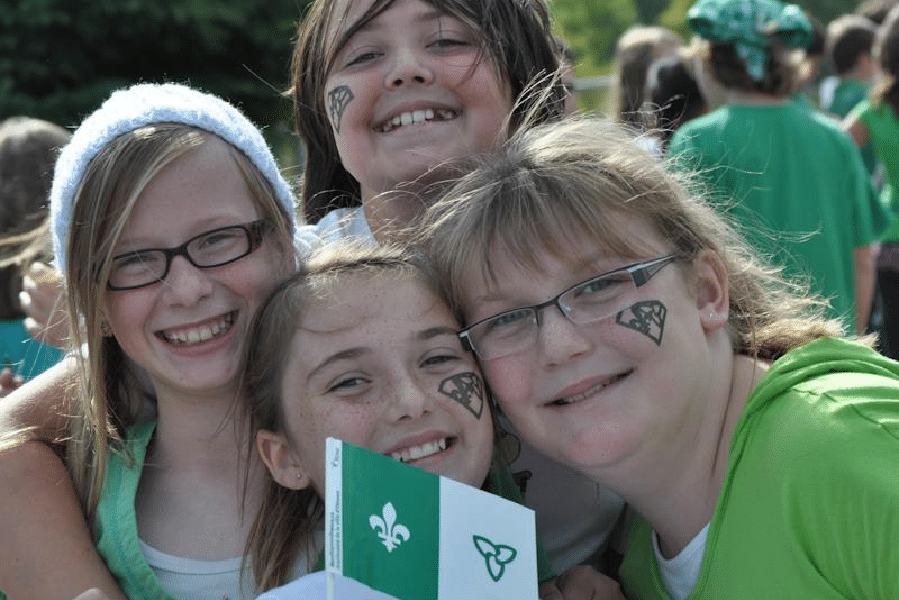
[737,97]
[677,495]
[197,433]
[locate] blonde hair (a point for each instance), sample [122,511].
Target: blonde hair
[111,398]
[287,518]
[579,177]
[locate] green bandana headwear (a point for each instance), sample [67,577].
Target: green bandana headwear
[747,24]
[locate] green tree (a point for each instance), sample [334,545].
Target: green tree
[59,59]
[592,28]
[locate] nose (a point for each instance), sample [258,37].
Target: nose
[185,283]
[409,66]
[410,400]
[559,339]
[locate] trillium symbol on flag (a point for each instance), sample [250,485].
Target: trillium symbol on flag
[497,556]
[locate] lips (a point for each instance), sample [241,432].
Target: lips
[415,117]
[198,334]
[590,391]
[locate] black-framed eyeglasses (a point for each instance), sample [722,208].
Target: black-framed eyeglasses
[592,300]
[213,248]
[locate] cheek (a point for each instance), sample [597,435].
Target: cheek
[337,99]
[509,379]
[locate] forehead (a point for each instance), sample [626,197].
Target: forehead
[365,303]
[346,17]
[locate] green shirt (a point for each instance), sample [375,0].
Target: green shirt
[795,183]
[809,506]
[847,96]
[883,127]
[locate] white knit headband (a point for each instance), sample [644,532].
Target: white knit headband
[143,104]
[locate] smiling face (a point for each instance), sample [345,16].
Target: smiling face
[599,394]
[409,90]
[188,331]
[377,363]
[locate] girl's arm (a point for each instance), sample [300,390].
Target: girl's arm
[49,551]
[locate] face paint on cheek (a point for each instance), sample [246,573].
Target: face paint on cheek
[647,317]
[338,99]
[467,389]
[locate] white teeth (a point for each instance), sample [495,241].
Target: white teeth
[199,334]
[416,452]
[593,390]
[417,116]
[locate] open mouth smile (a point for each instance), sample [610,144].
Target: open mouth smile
[590,392]
[412,453]
[210,330]
[416,117]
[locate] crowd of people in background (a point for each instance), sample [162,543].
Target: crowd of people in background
[681,314]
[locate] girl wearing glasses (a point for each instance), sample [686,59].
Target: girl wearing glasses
[627,331]
[171,223]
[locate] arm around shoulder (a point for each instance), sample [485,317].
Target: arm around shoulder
[41,518]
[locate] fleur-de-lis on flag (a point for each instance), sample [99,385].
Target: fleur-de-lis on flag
[392,534]
[497,556]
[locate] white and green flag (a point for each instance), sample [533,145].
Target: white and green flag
[417,536]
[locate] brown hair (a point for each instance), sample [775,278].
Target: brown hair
[887,54]
[516,36]
[782,69]
[849,37]
[28,149]
[581,176]
[635,50]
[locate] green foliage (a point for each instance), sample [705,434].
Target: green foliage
[59,59]
[592,28]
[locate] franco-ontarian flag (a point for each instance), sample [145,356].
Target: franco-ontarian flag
[417,536]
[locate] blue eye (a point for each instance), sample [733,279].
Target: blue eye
[347,384]
[509,320]
[601,287]
[363,57]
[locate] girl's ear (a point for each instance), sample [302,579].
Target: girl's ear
[712,299]
[281,460]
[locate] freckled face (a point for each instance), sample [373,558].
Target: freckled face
[378,364]
[409,91]
[595,395]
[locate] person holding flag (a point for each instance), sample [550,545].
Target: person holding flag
[360,346]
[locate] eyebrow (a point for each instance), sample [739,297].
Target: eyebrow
[432,332]
[348,354]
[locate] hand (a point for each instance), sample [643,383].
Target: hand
[9,382]
[582,583]
[43,300]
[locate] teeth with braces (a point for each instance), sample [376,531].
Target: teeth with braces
[417,116]
[417,452]
[200,334]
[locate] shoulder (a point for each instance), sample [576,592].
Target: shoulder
[830,414]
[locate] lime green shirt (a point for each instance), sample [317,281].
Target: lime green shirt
[883,127]
[809,507]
